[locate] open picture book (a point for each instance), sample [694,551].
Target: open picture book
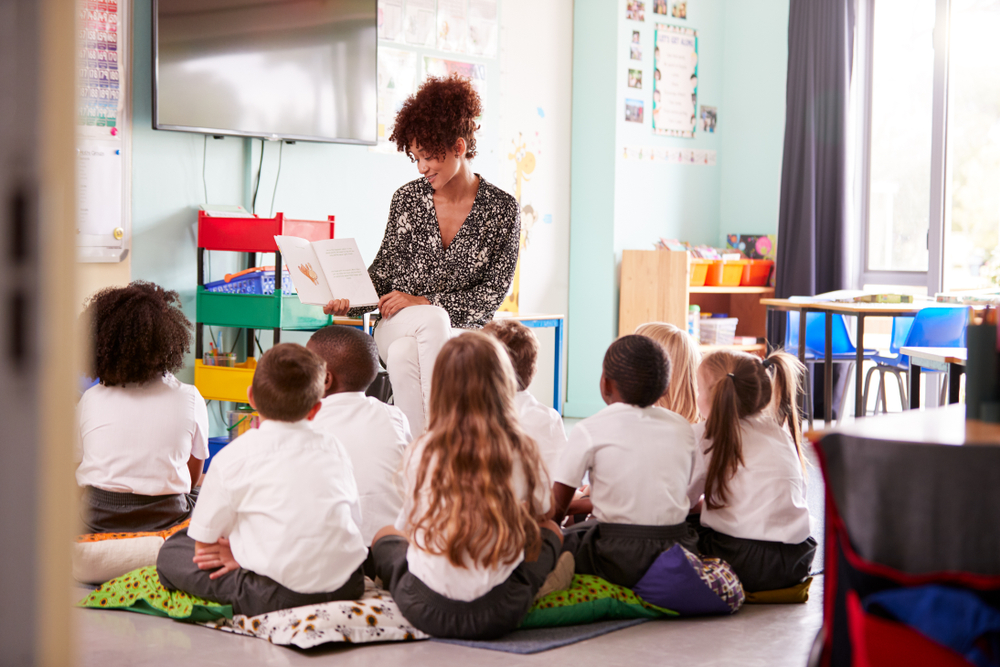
[327,270]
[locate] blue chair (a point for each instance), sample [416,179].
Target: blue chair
[842,348]
[934,326]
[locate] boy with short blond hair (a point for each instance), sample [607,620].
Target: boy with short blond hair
[277,521]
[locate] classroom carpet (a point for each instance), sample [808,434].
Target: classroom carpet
[536,640]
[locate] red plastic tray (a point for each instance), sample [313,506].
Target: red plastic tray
[257,234]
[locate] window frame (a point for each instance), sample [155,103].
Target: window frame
[932,278]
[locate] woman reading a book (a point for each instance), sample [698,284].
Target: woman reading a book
[450,247]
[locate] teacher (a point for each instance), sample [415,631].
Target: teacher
[450,247]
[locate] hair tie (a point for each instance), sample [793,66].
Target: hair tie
[767,363]
[732,376]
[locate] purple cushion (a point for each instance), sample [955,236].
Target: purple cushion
[689,585]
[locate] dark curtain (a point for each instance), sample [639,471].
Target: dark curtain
[812,219]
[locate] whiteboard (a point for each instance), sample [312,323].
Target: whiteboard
[103,163]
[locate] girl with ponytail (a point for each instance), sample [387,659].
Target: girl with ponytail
[751,469]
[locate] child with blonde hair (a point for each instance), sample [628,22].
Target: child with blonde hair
[682,394]
[751,469]
[471,547]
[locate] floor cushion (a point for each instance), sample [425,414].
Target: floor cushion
[691,586]
[590,599]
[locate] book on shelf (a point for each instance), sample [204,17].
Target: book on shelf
[325,270]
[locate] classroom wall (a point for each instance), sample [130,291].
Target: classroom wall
[527,96]
[752,115]
[622,202]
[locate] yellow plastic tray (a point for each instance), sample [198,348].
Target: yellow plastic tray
[218,383]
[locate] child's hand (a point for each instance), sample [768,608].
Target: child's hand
[218,555]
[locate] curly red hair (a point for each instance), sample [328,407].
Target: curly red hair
[443,111]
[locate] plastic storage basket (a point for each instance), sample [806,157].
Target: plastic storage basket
[718,330]
[258,282]
[725,273]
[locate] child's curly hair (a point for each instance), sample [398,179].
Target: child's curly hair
[138,333]
[442,111]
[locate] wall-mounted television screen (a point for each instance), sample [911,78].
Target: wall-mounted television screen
[280,69]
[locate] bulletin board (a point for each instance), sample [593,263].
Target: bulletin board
[103,131]
[421,38]
[675,81]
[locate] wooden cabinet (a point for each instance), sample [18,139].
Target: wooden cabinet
[655,288]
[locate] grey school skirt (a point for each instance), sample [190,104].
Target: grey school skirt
[111,512]
[621,553]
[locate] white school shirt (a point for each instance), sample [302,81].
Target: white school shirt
[639,461]
[544,425]
[767,495]
[437,572]
[285,497]
[375,436]
[138,438]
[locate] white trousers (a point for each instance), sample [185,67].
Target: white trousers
[408,343]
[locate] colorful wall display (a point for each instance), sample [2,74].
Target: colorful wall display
[675,81]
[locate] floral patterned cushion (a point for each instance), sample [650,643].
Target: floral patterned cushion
[590,599]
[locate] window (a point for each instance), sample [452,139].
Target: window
[928,149]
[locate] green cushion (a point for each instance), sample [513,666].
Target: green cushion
[590,599]
[141,591]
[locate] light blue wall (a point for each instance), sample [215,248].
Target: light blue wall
[627,204]
[593,298]
[752,114]
[350,182]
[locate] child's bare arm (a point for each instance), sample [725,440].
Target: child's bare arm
[218,555]
[195,468]
[562,495]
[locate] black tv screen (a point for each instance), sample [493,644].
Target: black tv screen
[280,69]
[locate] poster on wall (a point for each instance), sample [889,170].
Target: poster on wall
[483,28]
[476,72]
[633,111]
[452,25]
[397,80]
[419,23]
[675,81]
[709,117]
[390,19]
[101,126]
[635,11]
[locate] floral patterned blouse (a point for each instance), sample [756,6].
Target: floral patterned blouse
[470,277]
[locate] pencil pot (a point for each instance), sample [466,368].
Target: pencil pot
[981,391]
[224,359]
[241,421]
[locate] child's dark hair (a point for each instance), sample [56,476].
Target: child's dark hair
[522,348]
[639,368]
[288,382]
[350,354]
[138,333]
[744,386]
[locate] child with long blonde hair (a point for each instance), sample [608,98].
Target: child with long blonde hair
[471,546]
[682,394]
[751,469]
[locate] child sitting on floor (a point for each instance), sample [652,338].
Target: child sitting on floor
[471,547]
[374,434]
[277,517]
[541,423]
[639,457]
[682,394]
[142,434]
[750,468]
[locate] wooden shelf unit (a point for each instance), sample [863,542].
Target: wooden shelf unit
[655,288]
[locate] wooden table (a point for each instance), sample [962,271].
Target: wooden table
[950,360]
[860,311]
[936,426]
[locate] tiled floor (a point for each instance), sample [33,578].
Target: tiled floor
[765,635]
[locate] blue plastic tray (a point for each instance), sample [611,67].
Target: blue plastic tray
[261,282]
